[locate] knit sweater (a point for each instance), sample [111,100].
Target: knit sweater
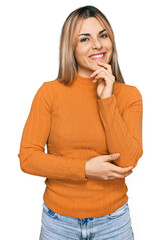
[77,125]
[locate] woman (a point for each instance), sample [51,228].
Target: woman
[92,124]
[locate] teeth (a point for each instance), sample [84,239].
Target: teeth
[97,56]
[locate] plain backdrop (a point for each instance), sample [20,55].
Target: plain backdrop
[29,48]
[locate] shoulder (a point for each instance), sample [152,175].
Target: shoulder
[127,96]
[49,90]
[54,85]
[127,91]
[45,93]
[50,84]
[48,87]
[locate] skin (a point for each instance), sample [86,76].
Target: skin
[97,41]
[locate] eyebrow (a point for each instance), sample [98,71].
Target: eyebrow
[87,34]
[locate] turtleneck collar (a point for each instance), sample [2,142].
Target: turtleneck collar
[86,82]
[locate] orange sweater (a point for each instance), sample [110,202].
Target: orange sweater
[76,126]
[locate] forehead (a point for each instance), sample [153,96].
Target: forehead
[90,25]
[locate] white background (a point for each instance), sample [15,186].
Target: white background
[29,46]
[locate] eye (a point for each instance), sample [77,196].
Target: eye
[104,36]
[84,39]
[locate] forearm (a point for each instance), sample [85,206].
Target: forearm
[123,134]
[54,167]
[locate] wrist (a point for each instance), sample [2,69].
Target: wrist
[107,92]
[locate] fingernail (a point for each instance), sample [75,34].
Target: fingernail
[117,154]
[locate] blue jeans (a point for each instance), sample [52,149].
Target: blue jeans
[115,226]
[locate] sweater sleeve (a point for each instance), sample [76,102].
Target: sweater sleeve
[33,159]
[123,131]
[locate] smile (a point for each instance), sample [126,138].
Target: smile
[98,56]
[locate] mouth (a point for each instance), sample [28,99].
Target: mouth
[99,56]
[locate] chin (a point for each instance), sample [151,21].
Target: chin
[95,67]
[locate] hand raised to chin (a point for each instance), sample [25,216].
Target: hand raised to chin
[105,80]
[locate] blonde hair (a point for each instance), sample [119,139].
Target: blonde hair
[67,62]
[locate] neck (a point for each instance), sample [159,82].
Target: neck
[84,81]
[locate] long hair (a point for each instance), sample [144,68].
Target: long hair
[68,67]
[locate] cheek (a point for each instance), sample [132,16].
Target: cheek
[81,56]
[77,55]
[78,52]
[110,46]
[82,50]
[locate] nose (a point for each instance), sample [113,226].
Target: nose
[96,44]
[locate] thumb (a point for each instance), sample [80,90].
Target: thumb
[112,156]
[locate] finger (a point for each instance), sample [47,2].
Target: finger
[112,156]
[102,75]
[105,65]
[110,178]
[98,71]
[117,175]
[105,75]
[121,170]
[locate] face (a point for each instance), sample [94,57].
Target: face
[93,45]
